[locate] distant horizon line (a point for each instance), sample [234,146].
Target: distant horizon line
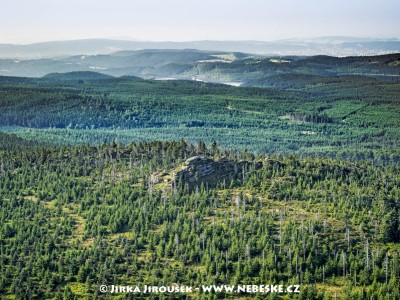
[128,39]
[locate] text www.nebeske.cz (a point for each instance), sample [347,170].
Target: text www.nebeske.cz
[204,288]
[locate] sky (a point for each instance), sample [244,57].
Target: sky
[28,21]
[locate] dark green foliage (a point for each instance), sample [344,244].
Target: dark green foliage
[12,142]
[73,218]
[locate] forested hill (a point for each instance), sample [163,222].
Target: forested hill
[339,116]
[213,66]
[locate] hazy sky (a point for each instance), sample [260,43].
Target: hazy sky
[25,21]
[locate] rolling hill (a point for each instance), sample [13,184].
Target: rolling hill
[337,116]
[221,67]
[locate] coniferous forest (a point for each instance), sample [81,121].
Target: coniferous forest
[107,180]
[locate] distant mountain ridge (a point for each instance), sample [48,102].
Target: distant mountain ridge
[334,46]
[234,68]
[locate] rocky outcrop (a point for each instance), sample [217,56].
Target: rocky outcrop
[202,169]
